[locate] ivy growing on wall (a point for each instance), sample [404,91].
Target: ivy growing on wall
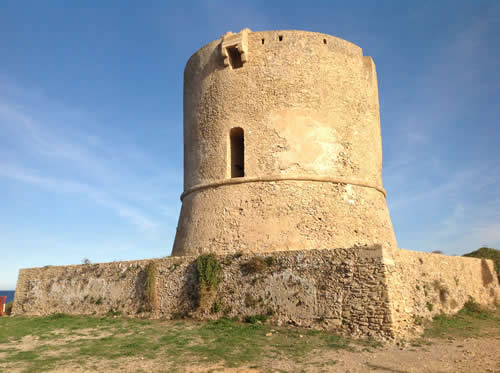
[208,268]
[208,275]
[150,286]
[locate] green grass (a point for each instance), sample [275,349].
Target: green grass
[86,340]
[61,341]
[470,321]
[254,319]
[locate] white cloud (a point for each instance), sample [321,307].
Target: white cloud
[72,187]
[438,187]
[469,180]
[49,148]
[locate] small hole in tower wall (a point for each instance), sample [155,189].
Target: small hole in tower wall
[324,41]
[234,57]
[262,41]
[237,147]
[281,37]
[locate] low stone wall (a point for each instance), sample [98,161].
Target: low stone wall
[422,285]
[342,290]
[359,292]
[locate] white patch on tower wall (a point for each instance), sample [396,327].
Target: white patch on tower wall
[349,194]
[312,145]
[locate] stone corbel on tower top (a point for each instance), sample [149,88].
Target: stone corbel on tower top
[234,48]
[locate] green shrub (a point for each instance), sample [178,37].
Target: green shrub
[150,285]
[216,307]
[254,319]
[467,322]
[8,308]
[207,270]
[473,309]
[471,306]
[429,306]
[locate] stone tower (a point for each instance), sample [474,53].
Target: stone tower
[282,146]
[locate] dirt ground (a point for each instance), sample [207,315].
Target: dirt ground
[467,342]
[481,354]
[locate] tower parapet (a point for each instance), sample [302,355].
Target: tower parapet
[282,146]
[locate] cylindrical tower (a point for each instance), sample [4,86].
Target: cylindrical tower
[282,146]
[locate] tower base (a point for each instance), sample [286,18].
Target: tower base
[282,215]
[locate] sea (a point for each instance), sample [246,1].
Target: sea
[8,293]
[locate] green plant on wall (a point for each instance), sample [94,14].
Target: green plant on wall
[216,307]
[150,286]
[207,271]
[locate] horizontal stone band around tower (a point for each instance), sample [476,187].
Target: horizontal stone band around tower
[242,180]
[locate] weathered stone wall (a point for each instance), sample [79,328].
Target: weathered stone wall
[421,285]
[342,290]
[354,291]
[285,215]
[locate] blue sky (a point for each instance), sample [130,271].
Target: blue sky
[91,118]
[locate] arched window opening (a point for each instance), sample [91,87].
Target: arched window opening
[237,143]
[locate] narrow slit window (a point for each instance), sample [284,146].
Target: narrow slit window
[324,41]
[234,57]
[262,41]
[237,143]
[281,37]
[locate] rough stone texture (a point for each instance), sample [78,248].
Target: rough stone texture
[308,107]
[214,220]
[421,285]
[354,291]
[324,289]
[237,42]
